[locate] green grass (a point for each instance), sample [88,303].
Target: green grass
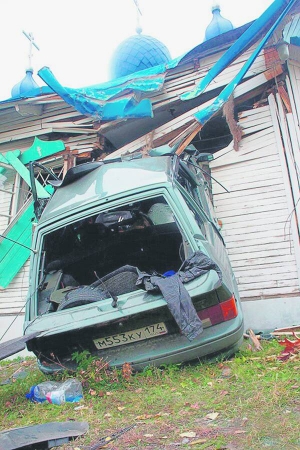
[256,398]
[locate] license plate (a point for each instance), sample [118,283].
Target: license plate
[127,337]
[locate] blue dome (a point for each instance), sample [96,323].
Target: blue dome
[218,24]
[24,86]
[138,53]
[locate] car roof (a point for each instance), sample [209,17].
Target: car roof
[110,179]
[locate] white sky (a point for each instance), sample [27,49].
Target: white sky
[77,38]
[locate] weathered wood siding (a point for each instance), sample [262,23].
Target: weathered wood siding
[256,214]
[6,184]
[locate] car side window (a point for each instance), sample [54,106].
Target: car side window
[196,212]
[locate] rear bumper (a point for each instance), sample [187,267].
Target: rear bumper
[222,339]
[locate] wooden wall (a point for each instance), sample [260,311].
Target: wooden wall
[256,213]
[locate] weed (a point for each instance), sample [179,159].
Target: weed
[83,359]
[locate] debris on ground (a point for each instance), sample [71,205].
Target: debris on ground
[291,348]
[254,340]
[47,435]
[105,440]
[286,331]
[293,329]
[9,375]
[56,392]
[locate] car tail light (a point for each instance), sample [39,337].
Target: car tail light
[229,308]
[222,312]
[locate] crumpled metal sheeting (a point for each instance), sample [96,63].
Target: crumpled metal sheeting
[106,102]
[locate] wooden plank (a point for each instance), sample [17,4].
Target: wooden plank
[239,198]
[237,190]
[244,186]
[258,141]
[249,200]
[294,110]
[251,211]
[294,73]
[256,155]
[239,195]
[293,176]
[248,262]
[267,293]
[265,270]
[74,130]
[295,142]
[290,284]
[267,217]
[16,137]
[232,234]
[223,212]
[258,127]
[245,238]
[232,162]
[261,146]
[14,122]
[249,256]
[241,185]
[253,119]
[250,171]
[253,112]
[17,290]
[260,248]
[13,306]
[280,218]
[245,141]
[273,278]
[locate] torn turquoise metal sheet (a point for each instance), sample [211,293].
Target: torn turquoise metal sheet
[41,149]
[95,107]
[103,101]
[14,256]
[125,108]
[152,81]
[144,81]
[244,42]
[205,114]
[4,161]
[24,173]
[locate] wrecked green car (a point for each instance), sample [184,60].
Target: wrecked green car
[131,267]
